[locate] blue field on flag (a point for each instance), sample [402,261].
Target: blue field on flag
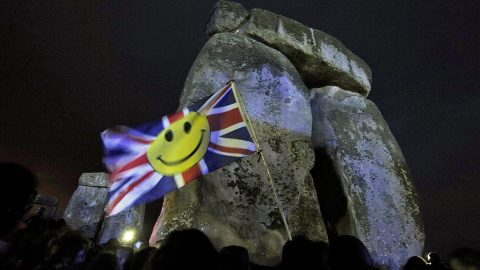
[142,160]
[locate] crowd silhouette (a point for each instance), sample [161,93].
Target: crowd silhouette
[44,244]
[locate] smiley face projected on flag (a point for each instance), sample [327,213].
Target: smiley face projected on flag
[181,145]
[153,159]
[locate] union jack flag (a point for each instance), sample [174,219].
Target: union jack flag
[134,180]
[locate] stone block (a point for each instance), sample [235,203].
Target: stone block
[381,205]
[116,226]
[45,200]
[94,179]
[226,16]
[86,206]
[321,59]
[235,205]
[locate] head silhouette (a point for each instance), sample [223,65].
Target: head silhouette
[348,252]
[186,249]
[18,186]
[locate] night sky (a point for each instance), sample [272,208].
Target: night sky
[71,69]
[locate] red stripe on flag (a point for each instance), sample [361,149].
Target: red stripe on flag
[175,117]
[134,163]
[121,130]
[219,96]
[140,140]
[192,173]
[232,150]
[224,120]
[126,191]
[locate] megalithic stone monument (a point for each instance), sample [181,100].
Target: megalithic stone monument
[359,161]
[281,67]
[85,210]
[235,205]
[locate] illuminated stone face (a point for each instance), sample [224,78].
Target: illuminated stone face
[181,145]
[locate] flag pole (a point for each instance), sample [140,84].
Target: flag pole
[259,151]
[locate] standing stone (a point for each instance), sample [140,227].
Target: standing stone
[86,206]
[381,206]
[116,226]
[235,205]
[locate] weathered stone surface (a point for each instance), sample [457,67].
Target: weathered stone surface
[99,179]
[86,206]
[45,200]
[320,58]
[235,205]
[225,16]
[116,226]
[382,206]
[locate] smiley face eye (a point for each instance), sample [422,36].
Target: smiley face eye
[169,136]
[187,127]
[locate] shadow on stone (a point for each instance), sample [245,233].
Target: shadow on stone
[332,200]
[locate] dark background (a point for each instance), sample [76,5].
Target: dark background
[71,69]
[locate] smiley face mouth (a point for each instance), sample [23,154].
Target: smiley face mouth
[172,163]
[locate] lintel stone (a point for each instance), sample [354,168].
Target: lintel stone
[45,200]
[99,179]
[321,59]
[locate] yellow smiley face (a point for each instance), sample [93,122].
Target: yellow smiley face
[181,145]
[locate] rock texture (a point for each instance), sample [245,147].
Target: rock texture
[320,58]
[94,180]
[226,16]
[380,205]
[85,208]
[235,205]
[116,226]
